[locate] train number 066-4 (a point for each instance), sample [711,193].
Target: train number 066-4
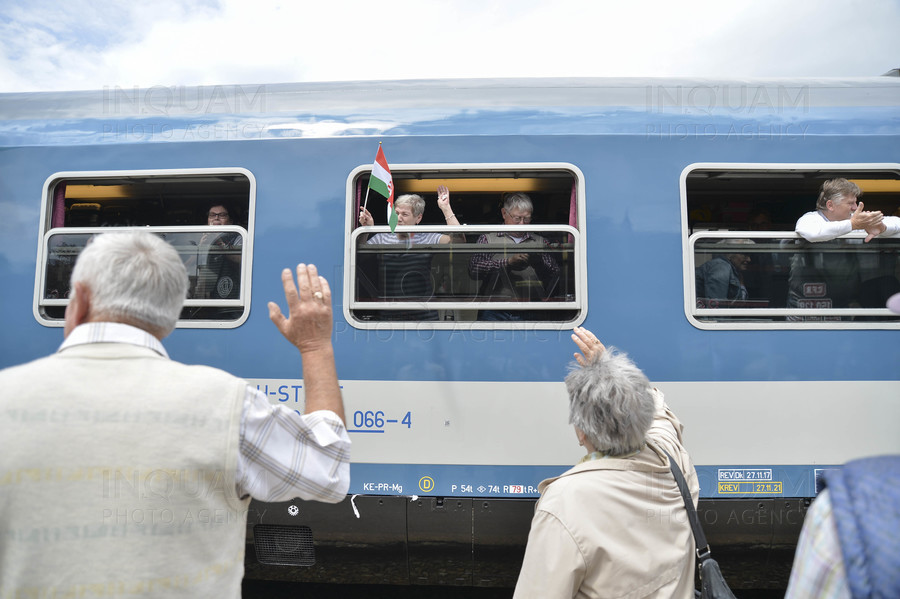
[377,420]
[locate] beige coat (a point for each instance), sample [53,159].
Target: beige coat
[615,527]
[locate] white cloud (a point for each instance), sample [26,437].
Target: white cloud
[56,44]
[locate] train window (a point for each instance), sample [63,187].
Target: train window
[484,273]
[206,214]
[745,267]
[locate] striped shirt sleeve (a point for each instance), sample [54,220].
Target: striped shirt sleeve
[818,569]
[284,455]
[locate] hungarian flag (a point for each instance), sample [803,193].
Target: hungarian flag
[382,182]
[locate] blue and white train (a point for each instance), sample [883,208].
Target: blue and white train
[454,419]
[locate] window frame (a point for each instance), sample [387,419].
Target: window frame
[692,312]
[352,232]
[46,232]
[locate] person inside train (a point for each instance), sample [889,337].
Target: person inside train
[409,209]
[838,211]
[216,267]
[722,277]
[615,523]
[841,279]
[766,276]
[407,274]
[518,269]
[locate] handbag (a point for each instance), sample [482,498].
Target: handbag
[712,583]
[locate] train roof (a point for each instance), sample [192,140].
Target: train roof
[447,107]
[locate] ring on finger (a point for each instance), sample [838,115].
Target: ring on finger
[318,295]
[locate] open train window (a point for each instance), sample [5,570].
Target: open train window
[745,267]
[206,214]
[482,273]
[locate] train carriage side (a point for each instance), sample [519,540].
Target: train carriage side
[455,420]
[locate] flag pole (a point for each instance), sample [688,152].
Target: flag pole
[366,201]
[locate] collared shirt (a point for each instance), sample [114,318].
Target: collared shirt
[599,455]
[815,227]
[282,454]
[406,275]
[482,265]
[818,569]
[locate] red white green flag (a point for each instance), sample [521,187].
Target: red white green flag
[382,182]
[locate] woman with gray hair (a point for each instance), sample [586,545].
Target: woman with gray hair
[404,273]
[615,524]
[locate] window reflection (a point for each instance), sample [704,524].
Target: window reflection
[845,273]
[430,282]
[212,258]
[785,272]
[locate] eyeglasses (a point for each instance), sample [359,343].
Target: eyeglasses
[220,215]
[519,219]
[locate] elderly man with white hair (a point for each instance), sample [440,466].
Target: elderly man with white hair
[518,267]
[130,473]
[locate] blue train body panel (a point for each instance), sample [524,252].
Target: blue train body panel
[631,142]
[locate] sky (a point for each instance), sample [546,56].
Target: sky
[55,45]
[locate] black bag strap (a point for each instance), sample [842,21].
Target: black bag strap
[703,551]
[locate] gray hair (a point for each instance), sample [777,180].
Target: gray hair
[611,402]
[835,190]
[414,201]
[739,241]
[133,276]
[518,201]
